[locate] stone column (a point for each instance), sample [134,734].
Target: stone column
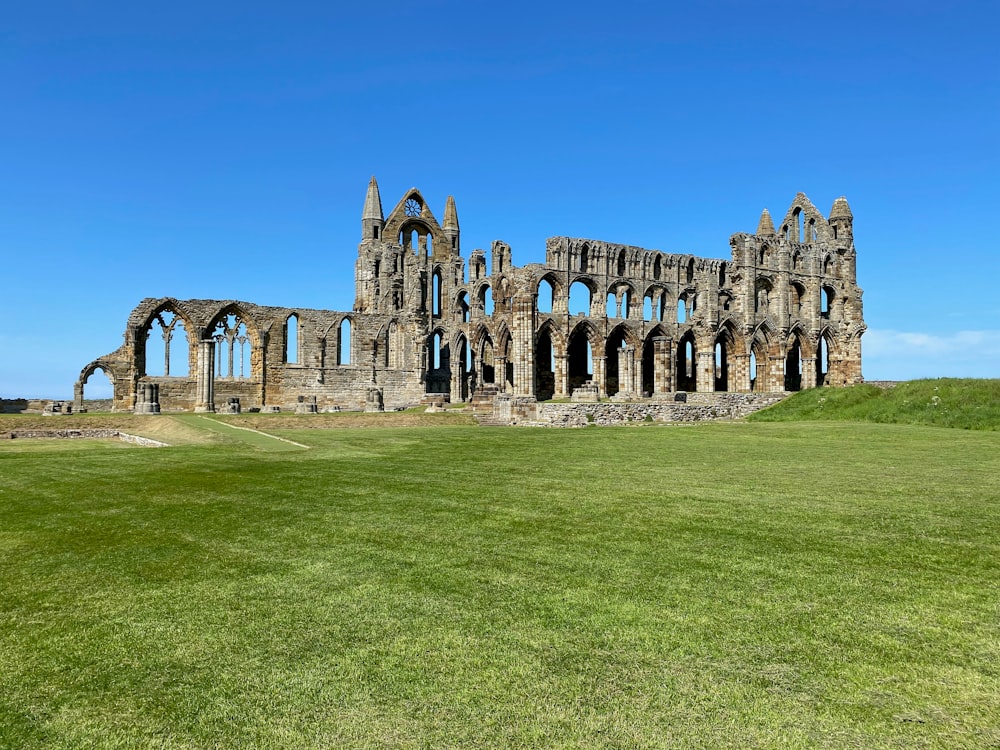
[808,372]
[205,384]
[775,374]
[500,374]
[661,365]
[523,343]
[626,370]
[78,397]
[456,384]
[739,372]
[705,376]
[562,376]
[600,373]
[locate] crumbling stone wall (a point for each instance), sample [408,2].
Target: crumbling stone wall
[781,313]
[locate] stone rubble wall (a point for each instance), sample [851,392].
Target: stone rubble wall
[76,434]
[698,408]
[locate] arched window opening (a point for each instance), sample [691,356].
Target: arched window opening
[545,370]
[822,361]
[103,388]
[811,231]
[798,226]
[690,271]
[546,296]
[463,306]
[430,245]
[722,274]
[612,310]
[647,307]
[584,259]
[614,379]
[648,367]
[463,362]
[232,348]
[621,263]
[436,294]
[682,313]
[580,361]
[436,351]
[721,366]
[793,367]
[762,260]
[827,304]
[344,342]
[686,376]
[657,267]
[579,299]
[167,346]
[626,303]
[795,294]
[762,297]
[754,380]
[828,266]
[292,339]
[487,300]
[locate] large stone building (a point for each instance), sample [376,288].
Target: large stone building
[782,313]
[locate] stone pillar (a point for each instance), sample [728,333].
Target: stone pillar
[562,376]
[808,372]
[600,375]
[78,397]
[456,383]
[626,370]
[739,372]
[662,368]
[205,383]
[523,344]
[705,377]
[500,374]
[775,374]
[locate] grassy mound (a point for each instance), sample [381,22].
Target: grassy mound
[945,402]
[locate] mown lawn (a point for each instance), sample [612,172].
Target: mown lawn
[726,585]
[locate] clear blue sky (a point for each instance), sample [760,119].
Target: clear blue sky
[222,150]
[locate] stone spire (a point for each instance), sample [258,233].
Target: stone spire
[372,219]
[450,214]
[765,228]
[450,225]
[840,209]
[842,220]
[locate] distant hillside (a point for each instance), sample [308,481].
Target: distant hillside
[945,402]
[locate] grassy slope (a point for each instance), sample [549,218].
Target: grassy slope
[945,402]
[832,586]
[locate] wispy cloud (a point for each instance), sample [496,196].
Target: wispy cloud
[904,355]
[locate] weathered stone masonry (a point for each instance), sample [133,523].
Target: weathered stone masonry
[782,313]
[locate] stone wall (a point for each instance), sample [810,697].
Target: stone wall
[698,408]
[78,434]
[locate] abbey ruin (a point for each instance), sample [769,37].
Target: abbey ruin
[597,320]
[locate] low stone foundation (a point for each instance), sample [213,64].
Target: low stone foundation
[699,407]
[76,434]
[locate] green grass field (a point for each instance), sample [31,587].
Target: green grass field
[785,585]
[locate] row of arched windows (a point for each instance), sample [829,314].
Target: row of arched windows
[168,347]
